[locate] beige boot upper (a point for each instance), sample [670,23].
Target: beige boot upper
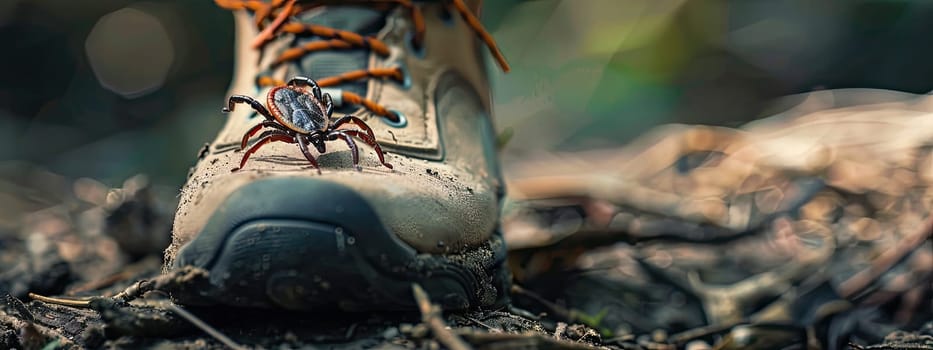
[442,195]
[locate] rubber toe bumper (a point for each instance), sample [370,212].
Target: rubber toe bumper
[302,243]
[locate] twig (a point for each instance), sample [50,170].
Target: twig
[431,315]
[350,330]
[555,309]
[130,293]
[512,309]
[481,323]
[205,327]
[136,290]
[886,261]
[160,282]
[685,337]
[522,341]
[722,304]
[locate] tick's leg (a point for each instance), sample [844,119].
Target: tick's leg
[315,89]
[349,119]
[303,145]
[252,131]
[264,138]
[231,103]
[316,138]
[333,135]
[328,105]
[369,141]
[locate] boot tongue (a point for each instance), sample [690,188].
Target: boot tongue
[329,63]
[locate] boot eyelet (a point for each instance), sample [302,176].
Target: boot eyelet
[406,77]
[410,43]
[401,123]
[446,17]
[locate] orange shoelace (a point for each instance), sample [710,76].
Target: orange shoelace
[271,17]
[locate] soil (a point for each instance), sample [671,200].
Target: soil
[81,244]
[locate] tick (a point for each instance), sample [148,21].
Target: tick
[296,115]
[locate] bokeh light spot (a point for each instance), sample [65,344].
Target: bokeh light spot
[130,52]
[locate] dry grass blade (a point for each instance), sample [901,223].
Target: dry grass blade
[85,303]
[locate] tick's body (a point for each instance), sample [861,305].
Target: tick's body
[298,110]
[300,116]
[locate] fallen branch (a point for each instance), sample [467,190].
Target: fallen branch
[431,316]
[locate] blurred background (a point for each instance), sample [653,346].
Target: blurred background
[111,88]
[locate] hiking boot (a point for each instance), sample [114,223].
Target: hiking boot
[276,232]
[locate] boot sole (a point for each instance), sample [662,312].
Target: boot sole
[303,244]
